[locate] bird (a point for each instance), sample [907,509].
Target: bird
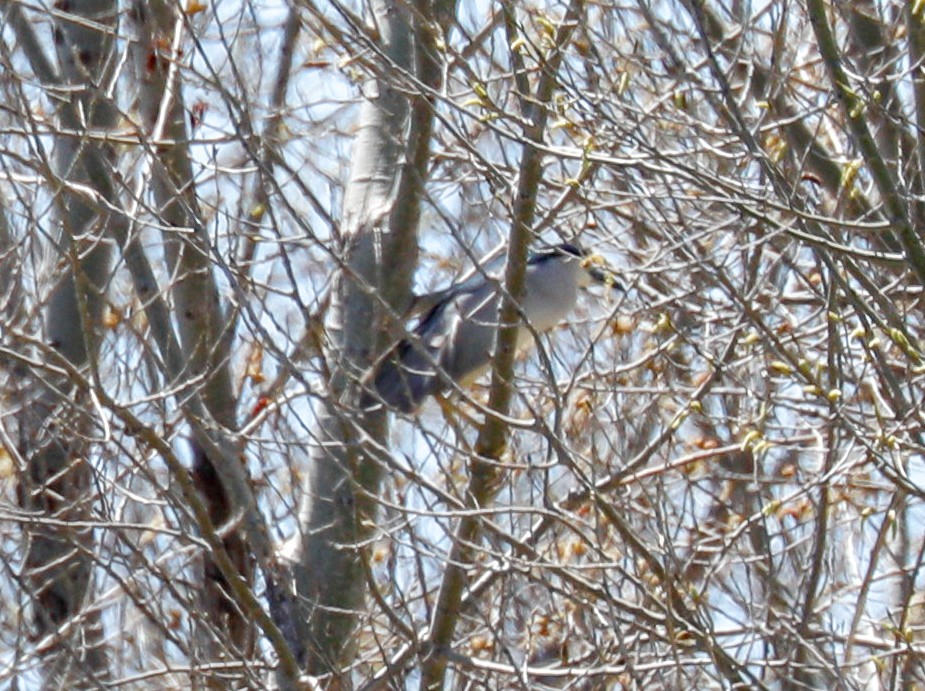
[452,342]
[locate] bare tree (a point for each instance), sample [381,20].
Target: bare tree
[54,435]
[379,250]
[215,222]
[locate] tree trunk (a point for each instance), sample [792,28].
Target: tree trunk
[54,428]
[381,211]
[205,336]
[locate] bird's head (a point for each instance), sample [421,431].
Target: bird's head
[595,268]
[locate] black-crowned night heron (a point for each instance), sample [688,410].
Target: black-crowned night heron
[453,342]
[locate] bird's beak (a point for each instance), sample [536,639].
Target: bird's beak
[600,273]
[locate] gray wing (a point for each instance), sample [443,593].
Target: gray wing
[409,374]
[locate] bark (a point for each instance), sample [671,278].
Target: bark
[54,428]
[205,336]
[380,216]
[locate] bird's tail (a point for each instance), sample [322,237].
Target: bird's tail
[401,385]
